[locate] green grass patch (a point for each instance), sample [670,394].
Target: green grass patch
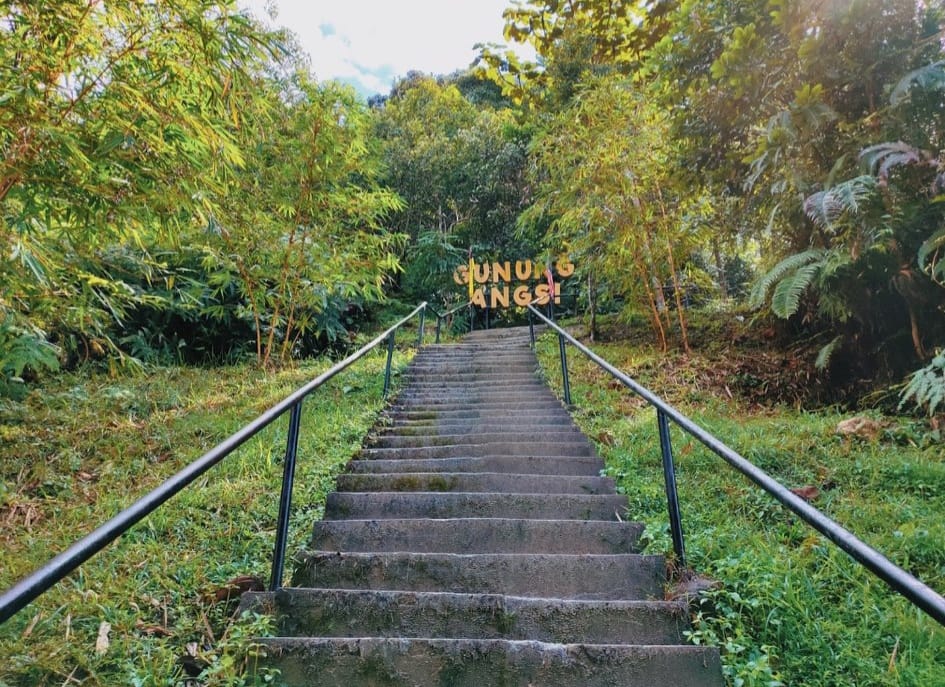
[80,449]
[792,609]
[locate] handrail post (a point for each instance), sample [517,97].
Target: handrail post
[531,327]
[423,315]
[563,353]
[390,359]
[472,321]
[672,497]
[285,499]
[439,321]
[566,383]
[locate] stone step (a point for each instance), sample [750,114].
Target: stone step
[345,662]
[535,465]
[358,613]
[553,413]
[505,378]
[615,576]
[477,535]
[424,428]
[387,505]
[492,448]
[511,407]
[487,482]
[395,440]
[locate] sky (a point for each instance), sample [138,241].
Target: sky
[370,43]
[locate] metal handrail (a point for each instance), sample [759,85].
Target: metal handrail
[35,584]
[898,579]
[442,316]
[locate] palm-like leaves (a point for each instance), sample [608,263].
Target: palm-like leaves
[826,207]
[930,77]
[784,270]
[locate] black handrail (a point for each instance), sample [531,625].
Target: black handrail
[898,579]
[442,316]
[32,586]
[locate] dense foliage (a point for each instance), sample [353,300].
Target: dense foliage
[802,139]
[165,163]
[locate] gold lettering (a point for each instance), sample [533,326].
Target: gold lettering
[500,297]
[564,267]
[542,294]
[461,275]
[522,296]
[479,298]
[523,269]
[481,273]
[501,272]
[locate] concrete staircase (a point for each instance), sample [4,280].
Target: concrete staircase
[473,543]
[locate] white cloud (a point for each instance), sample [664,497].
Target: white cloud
[375,41]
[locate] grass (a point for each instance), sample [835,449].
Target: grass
[84,446]
[792,608]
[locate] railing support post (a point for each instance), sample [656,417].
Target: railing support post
[562,351]
[472,315]
[423,316]
[390,359]
[531,327]
[672,497]
[285,499]
[439,321]
[566,383]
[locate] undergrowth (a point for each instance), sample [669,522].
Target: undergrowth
[152,608]
[791,609]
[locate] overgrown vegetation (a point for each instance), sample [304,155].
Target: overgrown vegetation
[791,609]
[88,445]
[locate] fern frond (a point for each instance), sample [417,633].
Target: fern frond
[931,256]
[786,298]
[826,207]
[759,292]
[926,386]
[883,157]
[826,353]
[929,77]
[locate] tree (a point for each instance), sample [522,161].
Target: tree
[460,168]
[113,129]
[607,196]
[299,227]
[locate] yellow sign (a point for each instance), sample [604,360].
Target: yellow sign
[510,283]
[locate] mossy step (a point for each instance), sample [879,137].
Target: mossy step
[486,448]
[564,576]
[380,662]
[386,505]
[358,613]
[555,435]
[493,482]
[478,535]
[534,465]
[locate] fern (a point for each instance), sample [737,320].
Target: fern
[930,256]
[790,264]
[826,353]
[926,387]
[883,157]
[930,77]
[786,298]
[826,207]
[24,348]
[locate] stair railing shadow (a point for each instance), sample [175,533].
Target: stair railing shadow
[40,581]
[916,591]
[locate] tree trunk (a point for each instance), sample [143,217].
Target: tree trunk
[680,310]
[720,267]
